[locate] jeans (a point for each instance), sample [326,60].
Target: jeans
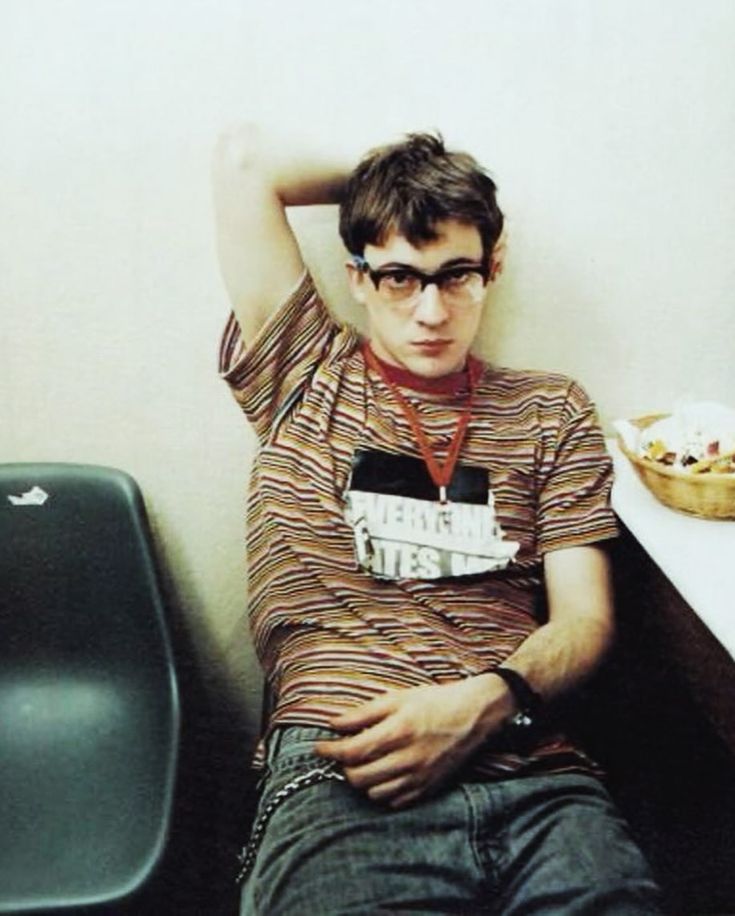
[548,844]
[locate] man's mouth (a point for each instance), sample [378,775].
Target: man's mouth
[431,346]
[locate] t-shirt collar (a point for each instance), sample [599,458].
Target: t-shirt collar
[452,384]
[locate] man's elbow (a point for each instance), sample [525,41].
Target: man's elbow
[239,149]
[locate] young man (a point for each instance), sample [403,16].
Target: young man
[427,568]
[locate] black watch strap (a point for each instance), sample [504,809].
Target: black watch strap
[529,702]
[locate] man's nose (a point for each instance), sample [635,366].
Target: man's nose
[430,308]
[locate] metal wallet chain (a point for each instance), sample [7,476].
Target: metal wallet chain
[312,777]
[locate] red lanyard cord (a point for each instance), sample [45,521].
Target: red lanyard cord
[441,473]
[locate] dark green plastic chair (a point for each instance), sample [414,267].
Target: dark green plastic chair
[89,706]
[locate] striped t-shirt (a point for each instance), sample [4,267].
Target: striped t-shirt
[327,633]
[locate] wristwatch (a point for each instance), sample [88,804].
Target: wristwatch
[520,727]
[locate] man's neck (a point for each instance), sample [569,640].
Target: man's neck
[453,383]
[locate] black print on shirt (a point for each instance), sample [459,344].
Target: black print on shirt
[402,531]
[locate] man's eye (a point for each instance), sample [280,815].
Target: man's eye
[398,279]
[459,277]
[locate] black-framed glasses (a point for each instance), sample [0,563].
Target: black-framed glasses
[460,284]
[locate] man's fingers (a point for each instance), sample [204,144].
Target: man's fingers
[407,798]
[387,792]
[343,750]
[371,744]
[399,792]
[376,772]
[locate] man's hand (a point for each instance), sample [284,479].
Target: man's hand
[409,741]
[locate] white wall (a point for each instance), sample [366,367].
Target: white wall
[609,127]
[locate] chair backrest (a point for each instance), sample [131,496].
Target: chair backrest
[89,708]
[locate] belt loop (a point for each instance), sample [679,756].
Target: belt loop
[273,744]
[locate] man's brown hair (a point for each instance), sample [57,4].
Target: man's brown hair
[409,187]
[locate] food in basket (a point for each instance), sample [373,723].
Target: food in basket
[686,459]
[698,438]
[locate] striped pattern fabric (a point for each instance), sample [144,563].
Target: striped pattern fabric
[327,634]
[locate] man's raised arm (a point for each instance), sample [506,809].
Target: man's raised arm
[255,176]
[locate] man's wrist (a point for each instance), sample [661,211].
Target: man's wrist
[528,702]
[520,730]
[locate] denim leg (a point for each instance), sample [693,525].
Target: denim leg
[520,847]
[565,850]
[329,850]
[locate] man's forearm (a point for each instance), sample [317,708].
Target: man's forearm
[567,649]
[256,175]
[561,654]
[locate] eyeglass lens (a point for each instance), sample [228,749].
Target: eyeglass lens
[462,284]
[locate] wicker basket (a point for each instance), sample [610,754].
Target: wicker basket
[703,495]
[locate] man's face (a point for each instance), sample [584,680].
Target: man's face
[432,334]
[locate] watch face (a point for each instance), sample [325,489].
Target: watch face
[520,734]
[520,720]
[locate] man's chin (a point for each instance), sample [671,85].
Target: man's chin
[432,367]
[425,364]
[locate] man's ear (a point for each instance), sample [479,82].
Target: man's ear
[497,256]
[356,278]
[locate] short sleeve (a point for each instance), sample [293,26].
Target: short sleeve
[269,374]
[574,499]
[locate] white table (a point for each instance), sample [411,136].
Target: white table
[688,592]
[696,555]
